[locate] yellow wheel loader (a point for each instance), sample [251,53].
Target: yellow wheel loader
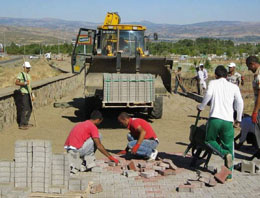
[119,72]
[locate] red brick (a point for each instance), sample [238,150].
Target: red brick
[167,172]
[222,175]
[132,166]
[186,188]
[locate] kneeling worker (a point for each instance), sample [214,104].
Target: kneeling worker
[142,138]
[84,139]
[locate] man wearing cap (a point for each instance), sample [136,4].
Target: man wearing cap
[253,64]
[24,108]
[233,76]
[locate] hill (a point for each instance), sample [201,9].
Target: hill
[49,30]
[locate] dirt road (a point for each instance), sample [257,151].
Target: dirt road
[55,123]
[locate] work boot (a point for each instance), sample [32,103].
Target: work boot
[228,160]
[23,127]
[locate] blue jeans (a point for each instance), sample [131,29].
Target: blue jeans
[146,148]
[89,147]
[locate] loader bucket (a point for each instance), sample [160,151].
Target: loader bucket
[158,66]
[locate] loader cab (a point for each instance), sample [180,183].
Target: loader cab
[126,41]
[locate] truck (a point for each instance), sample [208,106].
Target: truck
[118,70]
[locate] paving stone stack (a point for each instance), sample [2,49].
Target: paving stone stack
[33,164]
[6,172]
[60,173]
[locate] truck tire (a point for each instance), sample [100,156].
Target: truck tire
[157,110]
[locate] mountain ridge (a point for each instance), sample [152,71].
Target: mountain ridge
[238,31]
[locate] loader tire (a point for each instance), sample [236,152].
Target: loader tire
[157,110]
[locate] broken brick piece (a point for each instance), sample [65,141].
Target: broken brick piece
[171,164]
[132,166]
[222,175]
[96,189]
[186,188]
[167,172]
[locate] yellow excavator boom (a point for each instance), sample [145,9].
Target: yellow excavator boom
[112,18]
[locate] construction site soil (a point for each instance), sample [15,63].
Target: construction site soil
[55,124]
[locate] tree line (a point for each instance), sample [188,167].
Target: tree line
[39,49]
[186,46]
[203,46]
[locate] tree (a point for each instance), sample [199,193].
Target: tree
[207,64]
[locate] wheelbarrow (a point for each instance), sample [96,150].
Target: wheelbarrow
[199,149]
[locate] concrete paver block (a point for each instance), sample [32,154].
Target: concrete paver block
[248,167]
[171,164]
[21,143]
[97,169]
[162,164]
[222,175]
[158,168]
[186,188]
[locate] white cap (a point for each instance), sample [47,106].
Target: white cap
[232,65]
[201,64]
[27,65]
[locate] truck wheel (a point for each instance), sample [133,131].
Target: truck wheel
[157,110]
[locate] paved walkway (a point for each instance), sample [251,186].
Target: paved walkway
[116,185]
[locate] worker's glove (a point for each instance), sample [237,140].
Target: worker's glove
[113,159]
[135,148]
[254,117]
[123,152]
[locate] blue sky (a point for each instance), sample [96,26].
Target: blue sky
[157,11]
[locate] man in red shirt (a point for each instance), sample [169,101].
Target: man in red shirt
[142,138]
[84,139]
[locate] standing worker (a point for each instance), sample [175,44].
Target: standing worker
[142,138]
[178,81]
[233,76]
[253,65]
[84,139]
[205,72]
[222,94]
[201,85]
[25,104]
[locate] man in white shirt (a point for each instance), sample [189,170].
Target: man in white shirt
[205,72]
[201,84]
[222,94]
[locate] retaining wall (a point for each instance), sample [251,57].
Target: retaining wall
[46,92]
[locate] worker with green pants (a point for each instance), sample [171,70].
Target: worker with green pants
[222,95]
